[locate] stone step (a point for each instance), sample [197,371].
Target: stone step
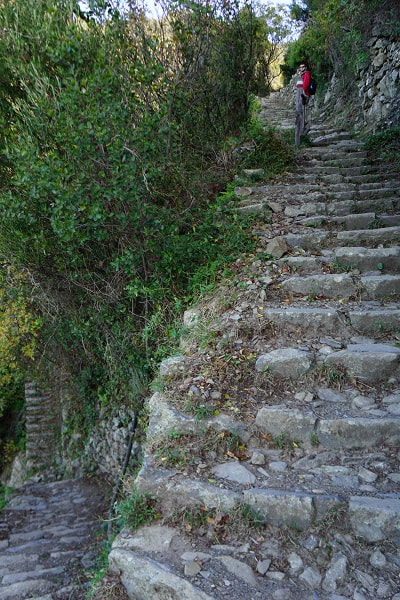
[348,222]
[37,573]
[340,322]
[346,258]
[38,400]
[385,260]
[365,171]
[344,286]
[276,505]
[337,160]
[368,362]
[35,424]
[332,434]
[344,208]
[333,136]
[314,239]
[25,589]
[40,409]
[377,236]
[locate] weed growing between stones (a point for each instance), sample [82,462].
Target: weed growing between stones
[137,509]
[185,449]
[217,524]
[98,572]
[200,411]
[336,517]
[104,585]
[335,377]
[284,442]
[337,267]
[5,493]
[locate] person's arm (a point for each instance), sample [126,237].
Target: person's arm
[306,82]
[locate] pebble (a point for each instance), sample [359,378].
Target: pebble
[377,559]
[363,402]
[263,566]
[365,579]
[329,395]
[257,458]
[276,575]
[295,563]
[383,590]
[336,572]
[191,569]
[239,569]
[310,543]
[311,577]
[366,475]
[278,466]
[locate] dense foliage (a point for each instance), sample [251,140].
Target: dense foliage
[335,35]
[118,134]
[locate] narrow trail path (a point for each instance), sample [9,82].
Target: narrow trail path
[46,532]
[301,364]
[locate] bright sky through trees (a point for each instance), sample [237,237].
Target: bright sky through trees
[151,4]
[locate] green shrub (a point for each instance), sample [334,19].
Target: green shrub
[137,510]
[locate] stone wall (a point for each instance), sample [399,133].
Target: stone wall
[104,450]
[378,85]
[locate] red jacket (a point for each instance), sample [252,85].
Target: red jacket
[306,76]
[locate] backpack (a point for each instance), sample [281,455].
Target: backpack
[312,87]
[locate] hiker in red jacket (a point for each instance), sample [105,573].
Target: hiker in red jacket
[302,84]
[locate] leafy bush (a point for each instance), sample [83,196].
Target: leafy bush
[113,156]
[336,34]
[385,144]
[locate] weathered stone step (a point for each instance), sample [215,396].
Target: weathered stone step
[368,362]
[25,589]
[31,575]
[365,171]
[344,286]
[343,322]
[335,151]
[344,208]
[313,240]
[332,138]
[281,507]
[40,409]
[349,221]
[340,178]
[337,160]
[381,187]
[371,235]
[385,260]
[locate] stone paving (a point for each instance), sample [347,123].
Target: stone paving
[46,533]
[300,361]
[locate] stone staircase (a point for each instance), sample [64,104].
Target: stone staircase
[285,400]
[46,533]
[42,427]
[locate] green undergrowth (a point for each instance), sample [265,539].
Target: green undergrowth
[137,509]
[183,449]
[239,521]
[5,493]
[385,145]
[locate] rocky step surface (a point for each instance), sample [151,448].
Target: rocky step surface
[285,402]
[41,426]
[46,536]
